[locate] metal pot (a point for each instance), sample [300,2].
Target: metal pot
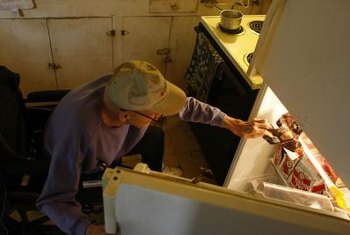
[231,19]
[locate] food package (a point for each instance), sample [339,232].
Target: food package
[288,121]
[323,162]
[341,196]
[305,177]
[326,166]
[277,157]
[289,161]
[286,134]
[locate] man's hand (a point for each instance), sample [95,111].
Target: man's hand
[94,229]
[249,129]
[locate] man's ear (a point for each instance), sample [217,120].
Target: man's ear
[124,116]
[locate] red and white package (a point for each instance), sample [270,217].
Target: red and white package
[289,161]
[307,141]
[277,157]
[305,177]
[322,160]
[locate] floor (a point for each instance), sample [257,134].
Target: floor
[181,150]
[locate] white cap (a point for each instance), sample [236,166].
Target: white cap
[139,85]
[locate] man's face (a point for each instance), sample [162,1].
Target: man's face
[116,117]
[142,118]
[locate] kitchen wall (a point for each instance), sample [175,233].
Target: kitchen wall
[76,8]
[40,44]
[256,7]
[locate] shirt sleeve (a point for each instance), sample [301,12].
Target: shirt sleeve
[197,111]
[57,199]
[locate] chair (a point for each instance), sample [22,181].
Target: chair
[23,169]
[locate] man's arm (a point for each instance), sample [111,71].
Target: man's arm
[249,129]
[197,111]
[57,199]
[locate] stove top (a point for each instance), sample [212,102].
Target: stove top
[256,26]
[238,31]
[238,46]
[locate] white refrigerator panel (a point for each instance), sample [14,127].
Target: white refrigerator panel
[252,157]
[158,204]
[303,55]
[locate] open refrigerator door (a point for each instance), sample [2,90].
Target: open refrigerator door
[287,167]
[305,176]
[142,201]
[305,71]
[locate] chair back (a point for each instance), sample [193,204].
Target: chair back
[12,124]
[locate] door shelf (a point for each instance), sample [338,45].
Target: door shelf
[276,188]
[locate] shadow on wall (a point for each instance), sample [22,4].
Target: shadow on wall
[248,7]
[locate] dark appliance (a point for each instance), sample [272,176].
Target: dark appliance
[227,90]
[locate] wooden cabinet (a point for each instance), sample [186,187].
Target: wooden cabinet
[63,53]
[82,47]
[54,54]
[173,5]
[146,38]
[25,49]
[181,43]
[166,42]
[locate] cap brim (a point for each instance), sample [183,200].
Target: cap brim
[173,102]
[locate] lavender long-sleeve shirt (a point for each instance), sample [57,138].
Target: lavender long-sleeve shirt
[76,139]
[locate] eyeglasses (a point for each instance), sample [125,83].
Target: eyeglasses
[157,119]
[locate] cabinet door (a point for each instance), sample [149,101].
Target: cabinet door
[144,38]
[173,5]
[182,42]
[81,48]
[25,49]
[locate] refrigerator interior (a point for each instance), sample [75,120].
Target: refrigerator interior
[251,160]
[253,172]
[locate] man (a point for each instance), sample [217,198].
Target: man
[108,118]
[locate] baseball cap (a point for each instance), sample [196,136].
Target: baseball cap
[138,85]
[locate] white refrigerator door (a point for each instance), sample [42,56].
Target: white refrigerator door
[303,56]
[157,204]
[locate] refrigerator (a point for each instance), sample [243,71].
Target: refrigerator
[302,56]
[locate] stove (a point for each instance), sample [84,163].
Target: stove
[238,31]
[256,26]
[238,46]
[248,58]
